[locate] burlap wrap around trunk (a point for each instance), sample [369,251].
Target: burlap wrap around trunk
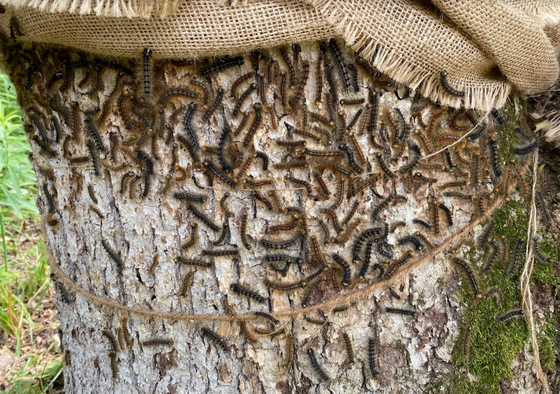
[487,48]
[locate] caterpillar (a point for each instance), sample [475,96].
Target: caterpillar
[332,214]
[477,132]
[498,116]
[466,339]
[372,356]
[510,314]
[281,286]
[452,184]
[167,95]
[381,206]
[423,239]
[494,158]
[538,252]
[227,180]
[290,66]
[261,89]
[285,227]
[493,256]
[302,83]
[158,342]
[193,237]
[146,160]
[495,292]
[114,255]
[341,65]
[345,235]
[435,217]
[190,197]
[300,182]
[283,89]
[411,239]
[323,153]
[367,259]
[254,126]
[146,69]
[383,166]
[367,183]
[325,231]
[470,274]
[322,374]
[155,263]
[261,183]
[222,65]
[277,202]
[406,312]
[516,257]
[320,118]
[319,79]
[225,236]
[114,365]
[242,98]
[246,332]
[91,193]
[262,199]
[220,253]
[413,161]
[44,147]
[197,263]
[203,218]
[453,122]
[243,231]
[351,213]
[397,264]
[185,284]
[202,86]
[280,244]
[245,167]
[221,145]
[242,290]
[345,267]
[291,144]
[268,316]
[212,108]
[425,142]
[239,81]
[242,124]
[447,212]
[113,341]
[351,159]
[458,195]
[264,157]
[290,164]
[525,150]
[449,88]
[505,249]
[289,350]
[483,238]
[301,132]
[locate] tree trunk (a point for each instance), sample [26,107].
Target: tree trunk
[135,156]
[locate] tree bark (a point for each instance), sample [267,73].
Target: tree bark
[132,158]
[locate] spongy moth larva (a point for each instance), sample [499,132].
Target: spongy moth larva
[397,264]
[510,314]
[290,67]
[185,284]
[170,93]
[215,338]
[254,126]
[147,72]
[448,87]
[192,239]
[242,98]
[113,254]
[197,263]
[372,356]
[281,244]
[112,340]
[316,365]
[242,290]
[114,365]
[302,83]
[203,218]
[399,311]
[341,65]
[243,231]
[158,342]
[469,273]
[220,253]
[239,81]
[222,65]
[345,267]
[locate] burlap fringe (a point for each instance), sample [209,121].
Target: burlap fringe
[485,99]
[105,8]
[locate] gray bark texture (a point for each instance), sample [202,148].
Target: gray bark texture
[135,156]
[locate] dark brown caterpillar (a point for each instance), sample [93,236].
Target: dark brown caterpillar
[214,106]
[449,88]
[373,112]
[109,335]
[411,239]
[285,227]
[470,274]
[239,81]
[322,374]
[281,244]
[341,65]
[494,158]
[302,83]
[540,255]
[334,218]
[397,264]
[147,72]
[192,239]
[242,124]
[351,213]
[262,199]
[320,118]
[282,286]
[243,231]
[302,132]
[215,338]
[291,144]
[243,97]
[381,206]
[351,159]
[372,356]
[510,314]
[158,342]
[190,197]
[186,284]
[202,86]
[114,255]
[222,65]
[447,212]
[493,255]
[301,182]
[220,253]
[483,238]
[345,267]
[349,348]
[114,365]
[319,79]
[167,95]
[203,218]
[283,89]
[384,166]
[245,167]
[224,178]
[435,217]
[221,146]
[254,126]
[525,150]
[326,153]
[264,157]
[290,66]
[406,312]
[242,290]
[198,263]
[268,316]
[258,183]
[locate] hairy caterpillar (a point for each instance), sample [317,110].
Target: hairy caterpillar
[220,253]
[242,290]
[345,267]
[113,341]
[510,314]
[469,273]
[397,264]
[222,65]
[114,255]
[322,374]
[203,218]
[400,311]
[280,244]
[158,342]
[449,88]
[198,263]
[242,98]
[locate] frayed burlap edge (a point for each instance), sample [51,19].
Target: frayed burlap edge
[105,8]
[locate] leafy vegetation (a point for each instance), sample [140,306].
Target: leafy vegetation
[27,318]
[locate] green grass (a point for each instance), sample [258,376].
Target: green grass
[27,311]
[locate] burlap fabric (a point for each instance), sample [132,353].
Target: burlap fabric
[487,48]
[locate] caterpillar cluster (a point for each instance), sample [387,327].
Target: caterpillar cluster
[283,137]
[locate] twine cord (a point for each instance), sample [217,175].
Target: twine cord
[329,304]
[525,279]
